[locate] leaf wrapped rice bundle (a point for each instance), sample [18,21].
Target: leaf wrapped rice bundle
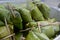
[25,14]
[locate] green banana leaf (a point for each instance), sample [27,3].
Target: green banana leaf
[32,36]
[45,9]
[4,32]
[25,14]
[48,30]
[56,28]
[36,14]
[17,21]
[40,35]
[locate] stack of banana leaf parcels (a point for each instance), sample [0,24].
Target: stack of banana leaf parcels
[27,23]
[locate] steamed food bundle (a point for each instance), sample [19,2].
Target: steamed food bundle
[4,32]
[45,9]
[25,14]
[31,22]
